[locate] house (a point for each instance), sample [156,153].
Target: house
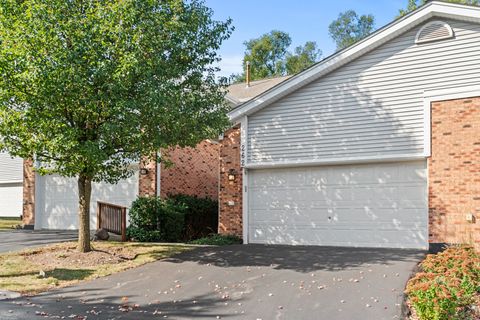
[377,145]
[50,202]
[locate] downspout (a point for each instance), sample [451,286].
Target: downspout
[158,175]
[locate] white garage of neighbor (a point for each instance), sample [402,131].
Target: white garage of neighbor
[11,186]
[56,205]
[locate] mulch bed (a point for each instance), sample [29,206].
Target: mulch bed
[66,255]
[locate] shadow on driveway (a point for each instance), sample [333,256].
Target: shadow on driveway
[297,258]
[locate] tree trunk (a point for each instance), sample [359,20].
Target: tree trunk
[84,193]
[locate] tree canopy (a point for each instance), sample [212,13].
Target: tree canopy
[302,57]
[414,4]
[266,54]
[89,87]
[349,28]
[269,56]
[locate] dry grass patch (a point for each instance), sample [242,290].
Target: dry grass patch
[59,265]
[7,223]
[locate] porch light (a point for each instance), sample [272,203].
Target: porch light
[143,171]
[232,174]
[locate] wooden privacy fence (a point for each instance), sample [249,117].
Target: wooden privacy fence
[112,218]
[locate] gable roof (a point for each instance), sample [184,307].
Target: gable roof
[340,58]
[239,93]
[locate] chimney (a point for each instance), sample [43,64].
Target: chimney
[247,74]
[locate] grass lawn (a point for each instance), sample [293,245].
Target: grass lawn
[35,270]
[7,223]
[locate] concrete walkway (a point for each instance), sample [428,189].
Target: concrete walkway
[20,239]
[239,282]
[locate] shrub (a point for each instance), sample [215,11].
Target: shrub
[201,215]
[154,219]
[218,240]
[177,218]
[447,285]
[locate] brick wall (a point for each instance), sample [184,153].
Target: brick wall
[195,171]
[230,217]
[147,183]
[454,171]
[28,210]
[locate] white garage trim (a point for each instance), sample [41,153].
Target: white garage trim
[245,205]
[243,164]
[333,161]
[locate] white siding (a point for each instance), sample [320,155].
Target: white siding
[11,169]
[371,107]
[57,200]
[368,205]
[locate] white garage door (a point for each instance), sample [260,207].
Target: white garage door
[11,198]
[57,202]
[370,205]
[11,190]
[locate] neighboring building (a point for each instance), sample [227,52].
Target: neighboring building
[375,146]
[11,191]
[50,202]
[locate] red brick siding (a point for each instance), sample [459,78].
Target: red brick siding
[454,171]
[147,183]
[194,171]
[230,217]
[28,210]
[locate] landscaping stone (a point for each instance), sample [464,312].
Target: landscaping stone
[102,234]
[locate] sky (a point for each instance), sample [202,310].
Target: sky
[304,20]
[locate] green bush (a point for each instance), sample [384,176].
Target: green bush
[218,240]
[177,218]
[447,285]
[141,235]
[153,219]
[201,215]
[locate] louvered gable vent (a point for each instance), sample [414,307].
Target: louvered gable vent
[434,31]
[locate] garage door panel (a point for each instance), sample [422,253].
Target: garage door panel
[338,237]
[377,205]
[355,216]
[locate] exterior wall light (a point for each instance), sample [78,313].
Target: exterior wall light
[143,171]
[232,175]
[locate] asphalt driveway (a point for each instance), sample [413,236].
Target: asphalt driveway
[239,282]
[20,239]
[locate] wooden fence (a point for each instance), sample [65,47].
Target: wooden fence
[112,218]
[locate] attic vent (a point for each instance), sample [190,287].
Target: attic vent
[433,31]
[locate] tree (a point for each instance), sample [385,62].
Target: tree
[88,87]
[302,58]
[266,54]
[414,4]
[349,28]
[269,56]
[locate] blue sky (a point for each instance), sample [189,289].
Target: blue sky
[304,20]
